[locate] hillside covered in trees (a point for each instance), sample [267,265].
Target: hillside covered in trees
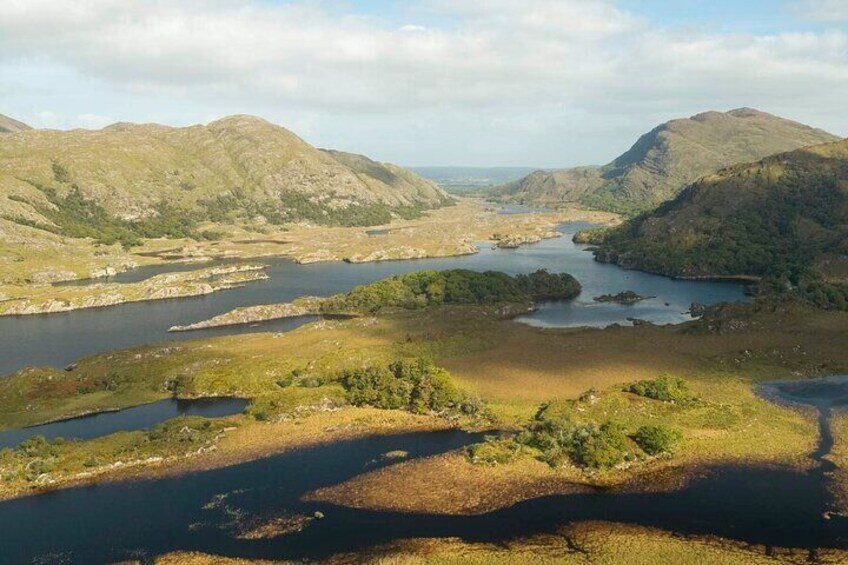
[783,219]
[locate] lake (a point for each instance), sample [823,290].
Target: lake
[59,339]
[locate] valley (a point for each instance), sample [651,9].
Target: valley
[571,379]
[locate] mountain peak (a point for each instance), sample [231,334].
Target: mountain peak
[241,119]
[746,112]
[669,157]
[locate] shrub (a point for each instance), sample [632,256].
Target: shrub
[598,447]
[494,451]
[655,440]
[664,388]
[38,446]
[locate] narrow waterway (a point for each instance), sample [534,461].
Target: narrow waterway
[139,417]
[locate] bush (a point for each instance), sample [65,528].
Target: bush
[598,447]
[38,446]
[655,440]
[562,439]
[664,388]
[494,451]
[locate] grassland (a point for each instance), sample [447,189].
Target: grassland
[513,367]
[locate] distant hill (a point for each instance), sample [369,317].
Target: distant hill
[784,217]
[149,180]
[9,125]
[465,180]
[666,159]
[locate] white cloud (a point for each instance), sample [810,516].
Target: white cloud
[822,10]
[503,62]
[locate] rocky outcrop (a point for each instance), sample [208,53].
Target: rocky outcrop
[320,256]
[390,254]
[513,241]
[253,314]
[168,285]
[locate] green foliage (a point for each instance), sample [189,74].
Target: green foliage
[417,386]
[181,386]
[186,430]
[656,440]
[74,215]
[432,288]
[494,451]
[299,207]
[38,446]
[599,447]
[561,439]
[664,388]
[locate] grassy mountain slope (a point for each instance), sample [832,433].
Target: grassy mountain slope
[10,125]
[666,159]
[153,180]
[784,218]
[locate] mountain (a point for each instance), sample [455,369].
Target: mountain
[148,180]
[666,159]
[9,125]
[784,217]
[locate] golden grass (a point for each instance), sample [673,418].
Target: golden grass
[464,488]
[588,543]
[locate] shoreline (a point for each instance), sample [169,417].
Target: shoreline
[448,232]
[237,445]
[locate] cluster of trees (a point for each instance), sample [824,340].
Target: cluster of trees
[561,438]
[459,286]
[417,386]
[74,215]
[297,206]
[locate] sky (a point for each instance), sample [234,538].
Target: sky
[541,83]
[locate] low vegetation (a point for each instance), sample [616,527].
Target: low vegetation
[74,215]
[656,440]
[664,388]
[564,433]
[38,461]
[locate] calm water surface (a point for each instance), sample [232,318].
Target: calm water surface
[59,339]
[763,506]
[130,419]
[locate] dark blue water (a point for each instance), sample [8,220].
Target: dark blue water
[145,272]
[58,339]
[136,418]
[195,512]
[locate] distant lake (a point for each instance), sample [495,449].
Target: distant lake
[59,339]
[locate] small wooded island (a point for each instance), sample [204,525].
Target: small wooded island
[626,297]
